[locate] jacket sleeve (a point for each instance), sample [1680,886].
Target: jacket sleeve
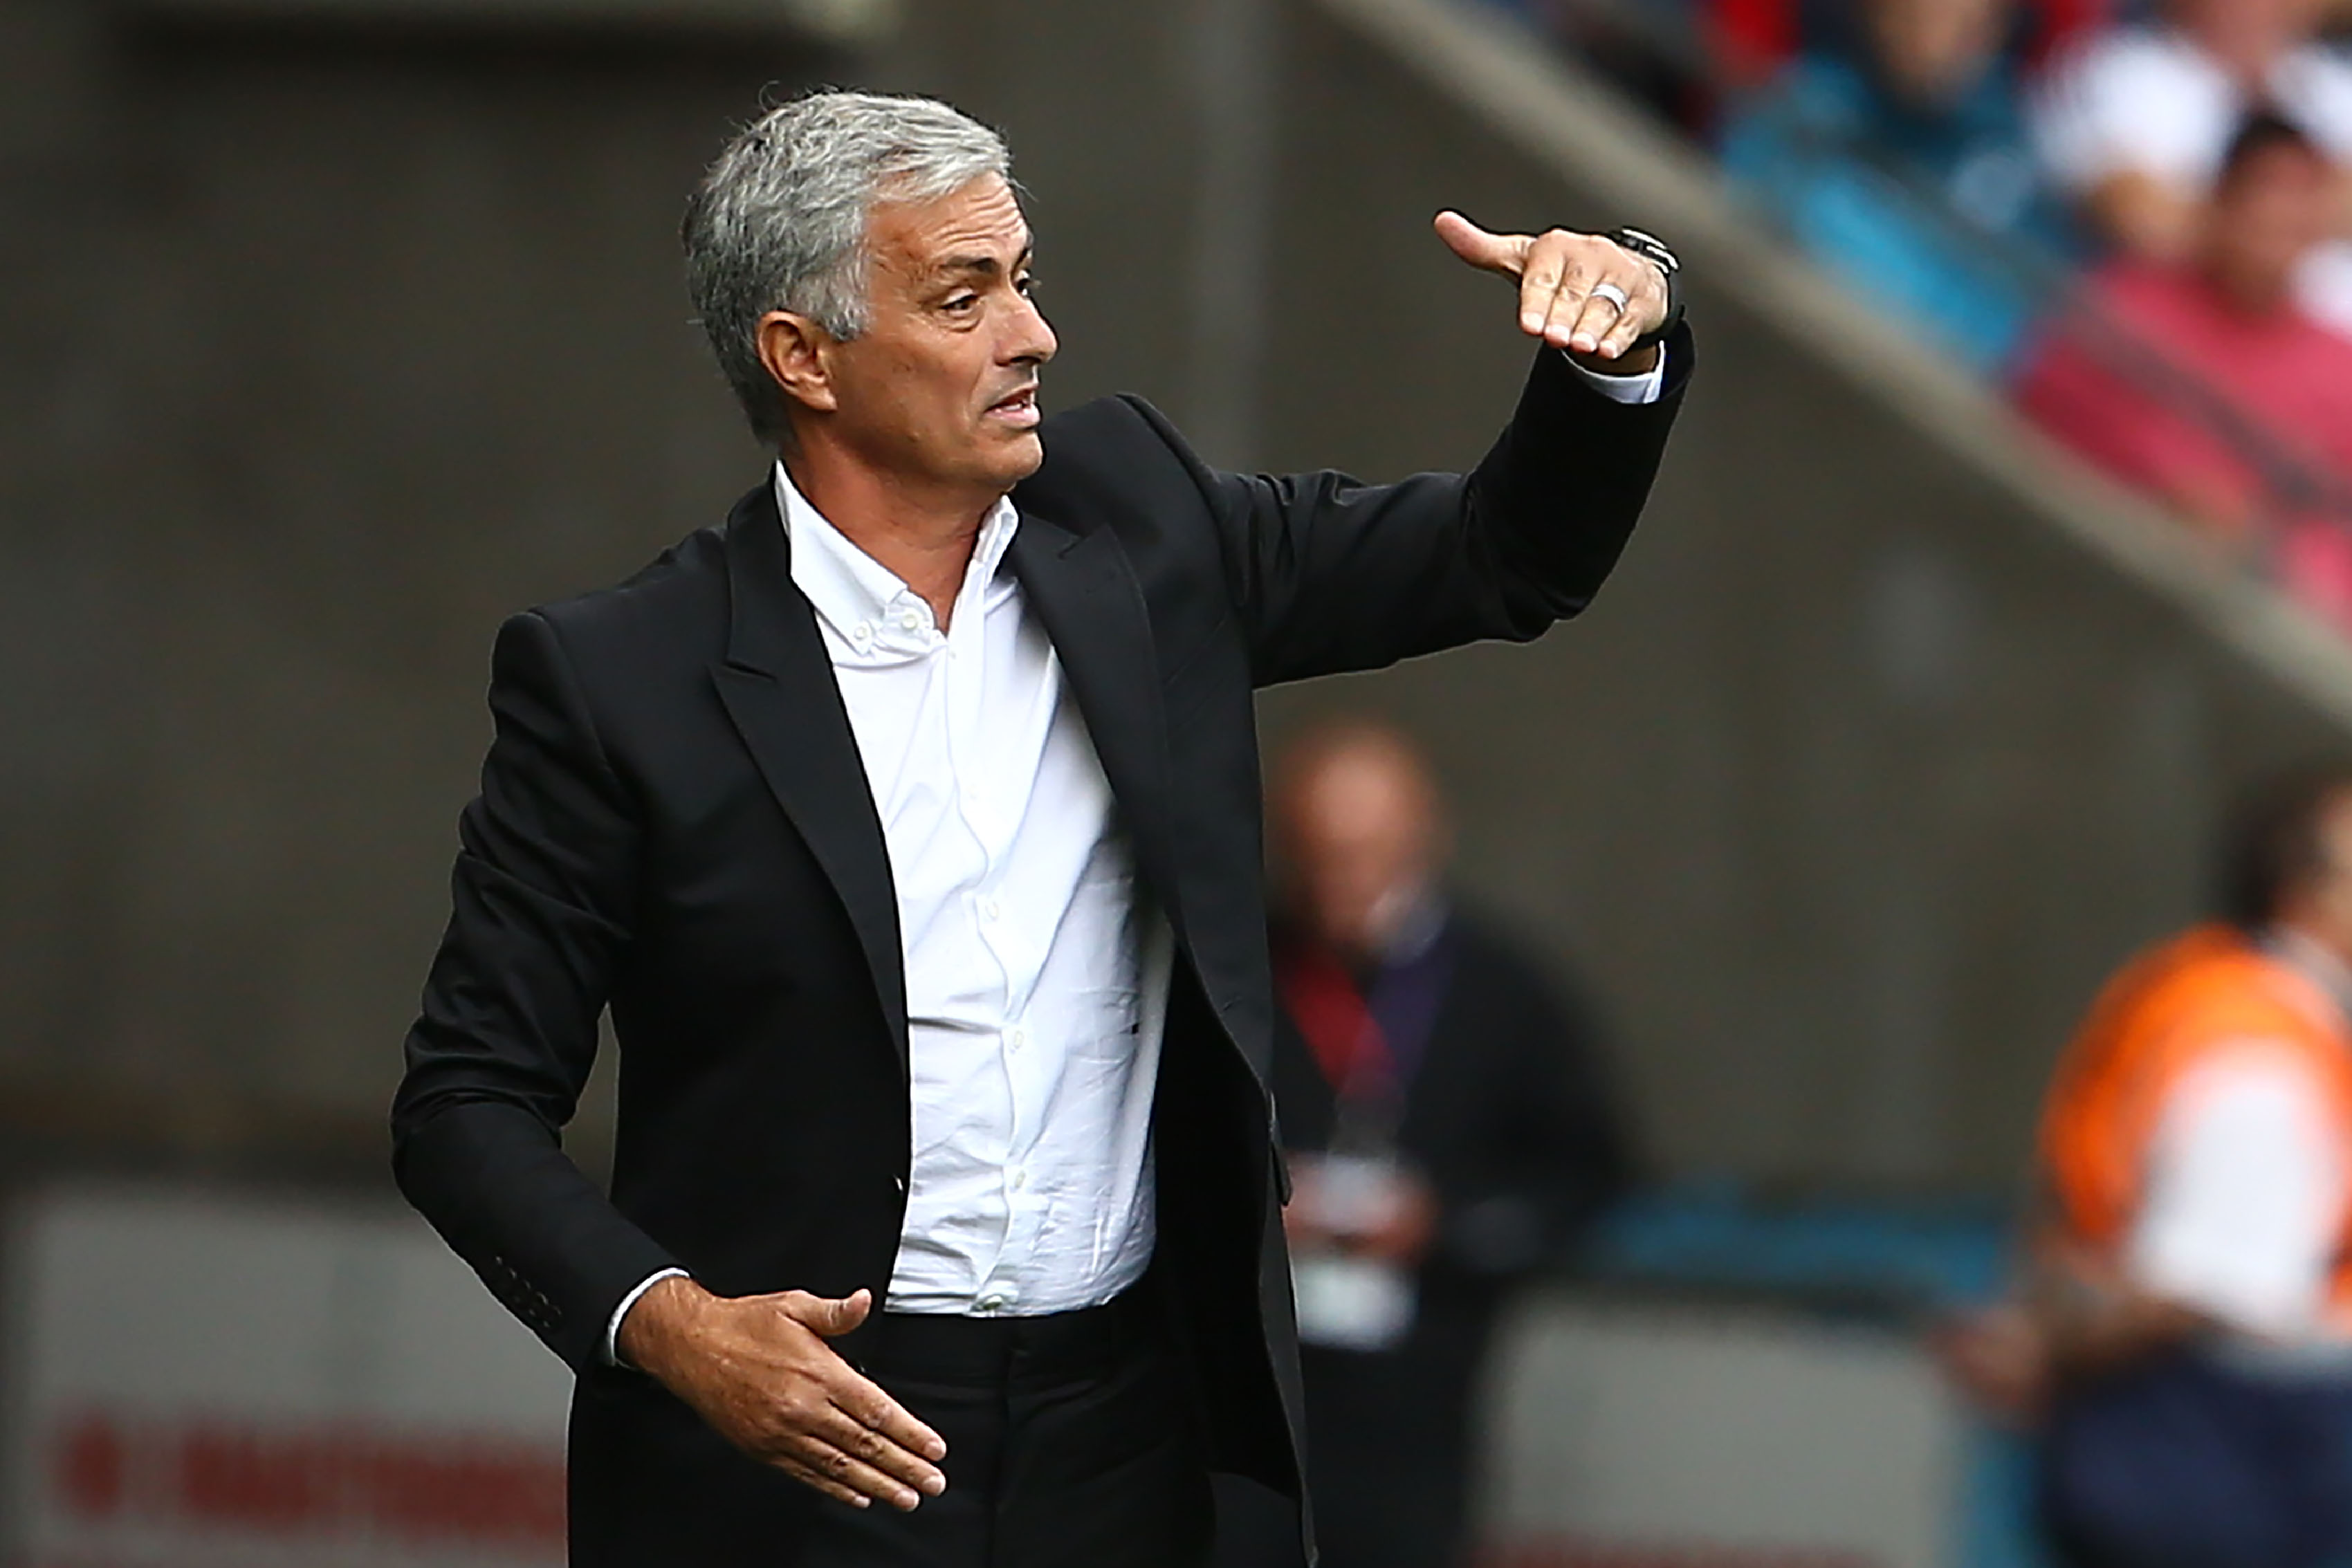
[1329,575]
[541,909]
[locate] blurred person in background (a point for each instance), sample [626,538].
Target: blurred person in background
[2183,1337]
[1448,1129]
[1900,159]
[1756,38]
[2205,383]
[1753,40]
[1688,59]
[908,826]
[2135,125]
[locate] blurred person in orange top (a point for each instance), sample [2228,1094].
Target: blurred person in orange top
[2208,386]
[1448,1131]
[2183,1335]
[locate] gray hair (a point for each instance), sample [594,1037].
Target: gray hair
[778,222]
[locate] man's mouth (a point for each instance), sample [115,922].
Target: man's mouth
[1020,409]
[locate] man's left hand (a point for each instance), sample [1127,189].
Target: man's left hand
[1562,299]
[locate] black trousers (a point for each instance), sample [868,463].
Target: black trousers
[1387,1451]
[1389,1445]
[1072,1442]
[2197,1459]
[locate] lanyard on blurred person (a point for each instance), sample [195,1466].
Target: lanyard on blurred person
[1370,1038]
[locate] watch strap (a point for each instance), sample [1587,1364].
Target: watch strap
[1658,254]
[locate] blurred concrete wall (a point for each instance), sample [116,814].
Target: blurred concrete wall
[323,347]
[320,350]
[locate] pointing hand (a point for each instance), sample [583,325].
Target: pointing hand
[1562,299]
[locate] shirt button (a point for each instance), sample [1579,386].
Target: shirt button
[1020,1179]
[912,621]
[1017,1038]
[990,910]
[862,633]
[991,1303]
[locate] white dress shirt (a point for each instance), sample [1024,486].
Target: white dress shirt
[1037,980]
[1037,976]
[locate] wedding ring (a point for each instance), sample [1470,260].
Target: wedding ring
[1614,295]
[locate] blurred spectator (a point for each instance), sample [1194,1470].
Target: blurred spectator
[1892,160]
[1753,39]
[2136,122]
[1684,58]
[1448,1135]
[2184,1338]
[2205,385]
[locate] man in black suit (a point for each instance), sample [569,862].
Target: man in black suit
[1449,1129]
[908,826]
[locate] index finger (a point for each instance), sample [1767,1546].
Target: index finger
[864,1402]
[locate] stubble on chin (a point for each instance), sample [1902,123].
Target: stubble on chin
[1022,457]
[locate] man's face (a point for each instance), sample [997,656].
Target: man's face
[1934,50]
[941,391]
[2248,34]
[2319,906]
[2265,219]
[1359,831]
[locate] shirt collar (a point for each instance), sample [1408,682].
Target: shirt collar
[848,588]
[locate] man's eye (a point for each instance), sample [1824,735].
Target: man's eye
[963,302]
[1026,282]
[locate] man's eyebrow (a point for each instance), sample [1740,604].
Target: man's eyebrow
[985,265]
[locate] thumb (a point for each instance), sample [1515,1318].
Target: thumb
[1490,251]
[836,1316]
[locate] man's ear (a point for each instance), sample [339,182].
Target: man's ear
[798,354]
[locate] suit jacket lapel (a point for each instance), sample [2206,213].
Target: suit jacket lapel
[1083,591]
[777,686]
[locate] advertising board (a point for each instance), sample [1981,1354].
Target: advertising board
[212,1381]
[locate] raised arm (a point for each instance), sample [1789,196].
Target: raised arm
[1331,575]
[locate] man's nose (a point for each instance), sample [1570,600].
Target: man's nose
[1033,340]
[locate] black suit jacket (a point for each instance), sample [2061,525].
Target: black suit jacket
[674,824]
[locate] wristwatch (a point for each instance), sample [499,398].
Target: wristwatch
[1652,249]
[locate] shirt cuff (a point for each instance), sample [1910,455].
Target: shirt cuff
[1647,387]
[613,1329]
